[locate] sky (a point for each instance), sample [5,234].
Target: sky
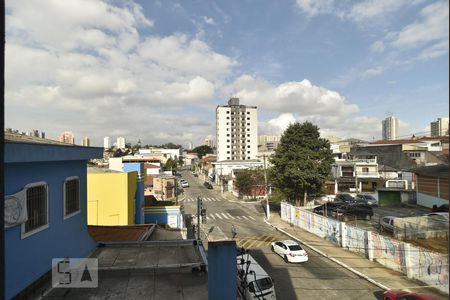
[157,70]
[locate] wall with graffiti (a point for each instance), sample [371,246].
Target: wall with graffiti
[355,239]
[415,262]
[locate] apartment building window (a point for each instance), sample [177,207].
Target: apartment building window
[228,111]
[248,141]
[248,134]
[228,157]
[228,134]
[228,129]
[248,113]
[248,118]
[248,129]
[71,196]
[228,141]
[228,118]
[228,152]
[228,146]
[248,124]
[248,146]
[37,208]
[248,152]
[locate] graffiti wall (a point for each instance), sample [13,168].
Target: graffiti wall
[388,252]
[429,267]
[355,239]
[418,263]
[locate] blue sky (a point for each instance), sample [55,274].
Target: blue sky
[156,70]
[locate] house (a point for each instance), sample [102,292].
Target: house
[45,208]
[432,185]
[357,172]
[111,196]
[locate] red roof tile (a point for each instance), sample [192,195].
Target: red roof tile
[119,233]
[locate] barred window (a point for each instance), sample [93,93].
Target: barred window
[37,208]
[71,196]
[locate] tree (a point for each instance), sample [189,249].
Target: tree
[248,179]
[171,165]
[202,150]
[302,162]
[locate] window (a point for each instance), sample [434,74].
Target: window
[37,209]
[228,118]
[248,113]
[248,124]
[71,196]
[248,118]
[228,111]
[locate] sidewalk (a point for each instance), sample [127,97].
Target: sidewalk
[376,273]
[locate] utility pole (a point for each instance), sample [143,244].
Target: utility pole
[265,188]
[199,210]
[176,191]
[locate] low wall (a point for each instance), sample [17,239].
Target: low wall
[418,263]
[422,227]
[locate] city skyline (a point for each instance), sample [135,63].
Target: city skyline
[156,71]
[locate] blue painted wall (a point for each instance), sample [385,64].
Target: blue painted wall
[429,201]
[28,259]
[139,167]
[222,270]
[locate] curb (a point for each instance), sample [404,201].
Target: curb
[380,285]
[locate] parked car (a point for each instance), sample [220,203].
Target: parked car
[353,211]
[329,207]
[405,295]
[439,216]
[208,185]
[442,208]
[387,223]
[347,198]
[369,199]
[290,250]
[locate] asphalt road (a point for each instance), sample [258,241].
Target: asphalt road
[319,278]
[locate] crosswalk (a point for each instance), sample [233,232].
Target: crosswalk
[227,216]
[253,242]
[204,199]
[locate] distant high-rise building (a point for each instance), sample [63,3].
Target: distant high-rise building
[236,131]
[42,135]
[121,142]
[209,142]
[268,142]
[86,142]
[190,146]
[67,137]
[106,144]
[390,128]
[439,127]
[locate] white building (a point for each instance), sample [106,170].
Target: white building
[390,128]
[236,131]
[86,142]
[121,142]
[106,144]
[439,127]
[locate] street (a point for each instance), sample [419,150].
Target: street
[318,278]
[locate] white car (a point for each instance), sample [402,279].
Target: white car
[184,183]
[290,251]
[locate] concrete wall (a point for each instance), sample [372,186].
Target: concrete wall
[168,215]
[428,201]
[111,198]
[422,227]
[418,263]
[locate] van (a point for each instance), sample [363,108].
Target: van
[252,280]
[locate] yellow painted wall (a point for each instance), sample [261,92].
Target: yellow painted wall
[111,198]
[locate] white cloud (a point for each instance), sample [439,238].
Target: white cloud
[366,10]
[316,7]
[432,26]
[301,97]
[94,73]
[209,20]
[378,46]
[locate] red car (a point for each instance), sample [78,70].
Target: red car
[405,295]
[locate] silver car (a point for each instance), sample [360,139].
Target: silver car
[387,223]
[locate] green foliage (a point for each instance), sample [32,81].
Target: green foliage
[248,178]
[302,161]
[202,150]
[277,196]
[171,165]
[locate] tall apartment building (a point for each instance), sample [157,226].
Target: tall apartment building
[121,142]
[236,131]
[439,127]
[85,142]
[67,137]
[390,128]
[106,143]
